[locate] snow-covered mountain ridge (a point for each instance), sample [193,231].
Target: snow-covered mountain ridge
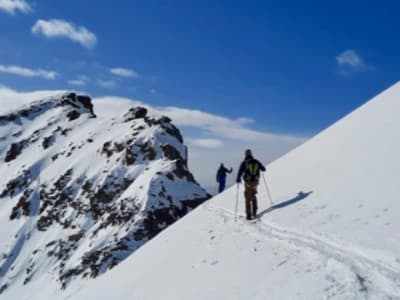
[333,231]
[80,192]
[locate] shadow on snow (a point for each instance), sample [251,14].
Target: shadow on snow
[300,196]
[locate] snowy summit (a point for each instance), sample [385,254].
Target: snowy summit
[81,192]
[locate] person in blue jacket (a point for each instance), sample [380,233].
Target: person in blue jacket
[221,177]
[249,171]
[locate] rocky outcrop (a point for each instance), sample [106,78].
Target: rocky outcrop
[94,189]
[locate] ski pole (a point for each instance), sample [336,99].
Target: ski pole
[266,186]
[237,201]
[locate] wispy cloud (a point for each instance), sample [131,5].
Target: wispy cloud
[206,143]
[107,84]
[56,28]
[26,72]
[214,138]
[80,80]
[13,6]
[245,121]
[211,138]
[12,99]
[349,61]
[122,72]
[76,82]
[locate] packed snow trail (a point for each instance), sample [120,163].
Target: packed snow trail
[375,279]
[243,260]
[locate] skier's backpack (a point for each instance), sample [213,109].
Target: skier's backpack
[252,171]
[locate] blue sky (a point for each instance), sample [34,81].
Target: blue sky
[274,62]
[260,74]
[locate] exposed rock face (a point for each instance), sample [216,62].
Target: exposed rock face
[83,193]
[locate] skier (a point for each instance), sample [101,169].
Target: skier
[250,171]
[221,177]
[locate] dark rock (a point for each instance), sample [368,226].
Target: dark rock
[76,237]
[17,184]
[15,150]
[119,147]
[135,113]
[8,118]
[148,152]
[171,153]
[87,103]
[73,115]
[3,288]
[182,172]
[140,112]
[130,157]
[107,149]
[48,141]
[64,132]
[23,206]
[173,131]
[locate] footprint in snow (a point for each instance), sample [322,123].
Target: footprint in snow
[282,263]
[215,262]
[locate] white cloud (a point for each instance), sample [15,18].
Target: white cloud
[56,28]
[206,143]
[349,61]
[245,121]
[107,84]
[214,138]
[219,125]
[206,134]
[81,80]
[11,99]
[122,72]
[12,6]
[26,72]
[76,82]
[83,77]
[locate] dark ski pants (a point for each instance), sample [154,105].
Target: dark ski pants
[250,195]
[221,187]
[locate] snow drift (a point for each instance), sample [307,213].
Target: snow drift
[332,233]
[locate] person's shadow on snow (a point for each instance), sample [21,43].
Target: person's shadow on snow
[300,196]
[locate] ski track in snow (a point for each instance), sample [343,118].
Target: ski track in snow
[375,280]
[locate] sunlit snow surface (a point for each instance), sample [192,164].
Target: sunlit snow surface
[333,232]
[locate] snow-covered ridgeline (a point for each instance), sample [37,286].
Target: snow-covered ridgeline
[79,192]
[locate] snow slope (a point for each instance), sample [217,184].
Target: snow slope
[333,233]
[80,192]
